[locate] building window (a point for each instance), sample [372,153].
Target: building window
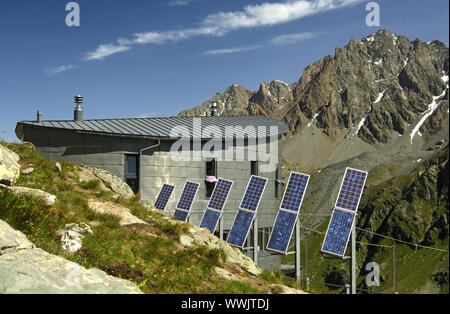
[277,182]
[254,168]
[132,172]
[211,176]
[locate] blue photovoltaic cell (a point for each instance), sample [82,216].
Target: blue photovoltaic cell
[294,192]
[187,197]
[253,193]
[180,215]
[338,232]
[220,194]
[210,220]
[164,196]
[239,231]
[282,231]
[351,191]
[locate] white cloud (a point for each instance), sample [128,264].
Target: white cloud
[293,38]
[231,50]
[221,23]
[279,40]
[180,3]
[104,51]
[56,70]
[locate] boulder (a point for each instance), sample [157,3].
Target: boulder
[47,198]
[28,170]
[72,236]
[9,167]
[108,181]
[12,240]
[28,270]
[110,208]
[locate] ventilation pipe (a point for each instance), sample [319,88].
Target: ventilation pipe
[213,109]
[39,117]
[78,113]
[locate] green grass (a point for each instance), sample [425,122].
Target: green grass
[150,256]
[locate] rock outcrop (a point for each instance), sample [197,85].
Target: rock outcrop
[108,181]
[9,167]
[47,198]
[72,236]
[25,269]
[110,208]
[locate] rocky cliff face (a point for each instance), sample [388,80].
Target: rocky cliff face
[384,89]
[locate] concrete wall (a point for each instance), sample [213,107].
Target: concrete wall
[158,167]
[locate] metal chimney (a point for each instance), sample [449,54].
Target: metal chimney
[213,109]
[39,117]
[78,113]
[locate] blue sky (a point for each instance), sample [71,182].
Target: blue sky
[142,58]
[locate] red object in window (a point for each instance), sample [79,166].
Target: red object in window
[278,181]
[211,179]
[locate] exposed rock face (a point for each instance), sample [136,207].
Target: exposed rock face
[9,167]
[126,218]
[27,270]
[108,181]
[72,236]
[47,198]
[383,89]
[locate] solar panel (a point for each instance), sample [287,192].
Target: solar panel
[188,195]
[241,227]
[220,194]
[181,215]
[210,220]
[351,189]
[249,206]
[293,195]
[344,213]
[164,196]
[282,232]
[186,199]
[253,193]
[338,233]
[287,215]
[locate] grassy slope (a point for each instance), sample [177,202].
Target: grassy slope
[397,208]
[151,256]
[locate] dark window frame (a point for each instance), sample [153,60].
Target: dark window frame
[130,177]
[211,170]
[254,168]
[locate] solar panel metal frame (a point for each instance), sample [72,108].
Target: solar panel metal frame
[159,194]
[342,185]
[247,210]
[349,234]
[288,211]
[193,199]
[355,212]
[216,210]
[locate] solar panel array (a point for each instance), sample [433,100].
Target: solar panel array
[164,196]
[344,213]
[287,215]
[186,200]
[248,208]
[216,203]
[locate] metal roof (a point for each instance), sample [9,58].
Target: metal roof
[256,126]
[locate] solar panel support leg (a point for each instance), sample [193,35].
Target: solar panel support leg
[255,241]
[221,228]
[353,261]
[298,271]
